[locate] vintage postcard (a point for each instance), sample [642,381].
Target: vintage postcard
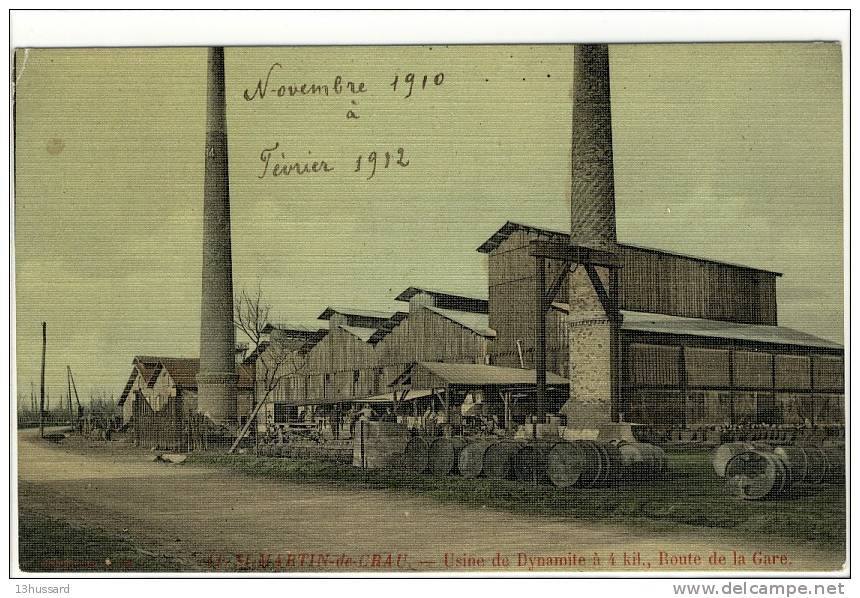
[569,309]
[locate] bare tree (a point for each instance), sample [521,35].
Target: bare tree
[276,357]
[251,315]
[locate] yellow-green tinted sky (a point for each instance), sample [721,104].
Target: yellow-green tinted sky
[732,152]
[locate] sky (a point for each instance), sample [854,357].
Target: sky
[727,151]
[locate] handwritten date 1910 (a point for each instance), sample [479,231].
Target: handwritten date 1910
[373,160]
[410,83]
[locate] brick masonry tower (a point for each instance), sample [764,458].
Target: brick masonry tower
[594,320]
[216,380]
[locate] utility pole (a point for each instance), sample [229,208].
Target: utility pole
[69,384]
[42,385]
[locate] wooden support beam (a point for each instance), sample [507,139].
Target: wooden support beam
[555,286]
[574,254]
[506,415]
[540,341]
[251,419]
[682,384]
[731,387]
[602,294]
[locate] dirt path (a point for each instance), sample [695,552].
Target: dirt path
[213,520]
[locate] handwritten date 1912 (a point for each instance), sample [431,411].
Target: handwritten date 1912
[373,160]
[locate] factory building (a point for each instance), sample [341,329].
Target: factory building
[365,351]
[700,344]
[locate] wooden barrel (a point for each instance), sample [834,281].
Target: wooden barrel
[472,458]
[530,462]
[721,455]
[810,464]
[566,463]
[445,455]
[595,464]
[498,459]
[642,461]
[416,456]
[757,474]
[612,472]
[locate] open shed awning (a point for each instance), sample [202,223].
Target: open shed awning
[474,374]
[410,395]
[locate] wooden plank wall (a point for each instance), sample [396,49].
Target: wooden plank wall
[730,385]
[675,285]
[512,306]
[650,281]
[342,367]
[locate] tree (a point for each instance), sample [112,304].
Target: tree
[275,356]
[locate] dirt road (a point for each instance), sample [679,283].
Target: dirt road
[213,520]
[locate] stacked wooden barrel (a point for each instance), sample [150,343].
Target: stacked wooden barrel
[445,455]
[759,472]
[809,464]
[721,455]
[530,462]
[472,458]
[582,463]
[589,463]
[498,459]
[416,456]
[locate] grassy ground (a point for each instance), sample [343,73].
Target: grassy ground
[691,495]
[46,544]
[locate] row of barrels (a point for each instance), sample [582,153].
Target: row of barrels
[582,463]
[758,470]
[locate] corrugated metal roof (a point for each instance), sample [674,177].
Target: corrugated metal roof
[487,375]
[509,228]
[477,323]
[351,311]
[294,328]
[388,397]
[659,323]
[447,300]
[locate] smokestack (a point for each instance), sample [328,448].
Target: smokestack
[594,322]
[216,380]
[592,206]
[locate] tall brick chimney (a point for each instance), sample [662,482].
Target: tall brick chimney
[593,328]
[216,380]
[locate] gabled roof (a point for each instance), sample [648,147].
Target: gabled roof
[308,336]
[329,311]
[363,334]
[509,228]
[292,328]
[477,323]
[386,327]
[183,371]
[448,300]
